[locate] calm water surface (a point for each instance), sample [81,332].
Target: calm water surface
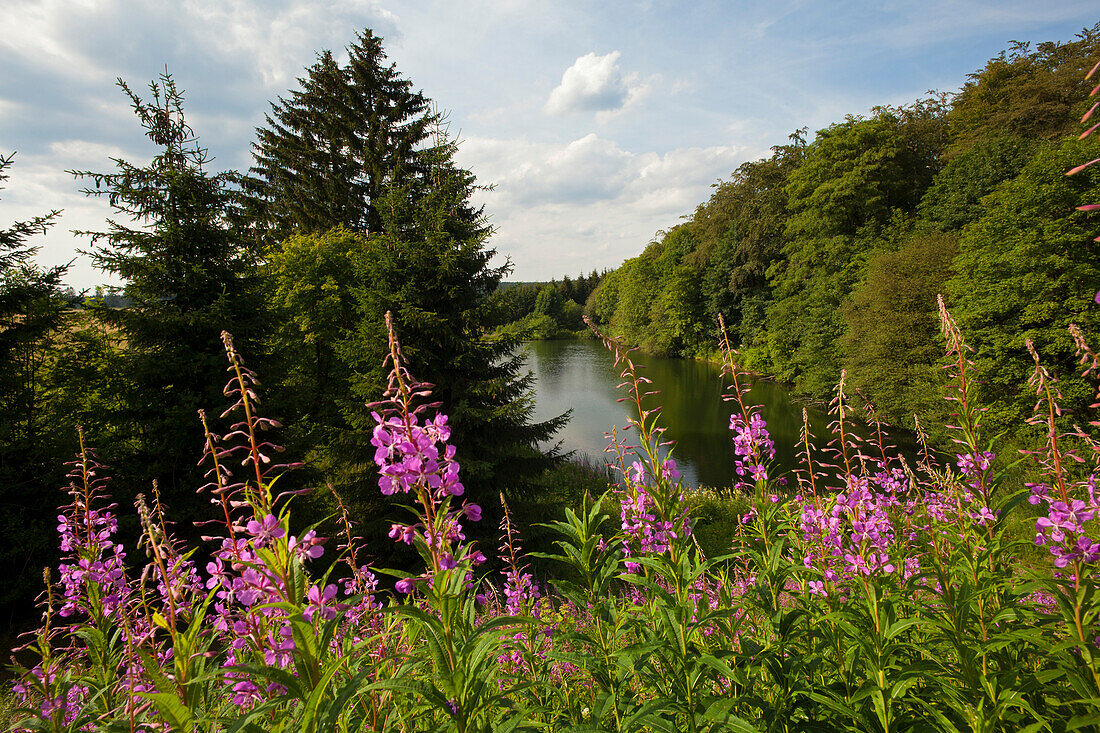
[580,375]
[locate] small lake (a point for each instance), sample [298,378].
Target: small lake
[580,375]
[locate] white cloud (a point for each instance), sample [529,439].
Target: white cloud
[33,33]
[595,84]
[276,39]
[73,153]
[569,207]
[590,168]
[39,185]
[59,107]
[709,76]
[8,108]
[92,39]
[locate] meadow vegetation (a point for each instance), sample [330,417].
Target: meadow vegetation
[867,594]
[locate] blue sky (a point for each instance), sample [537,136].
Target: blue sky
[599,123]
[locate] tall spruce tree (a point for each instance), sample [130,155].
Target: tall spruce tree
[188,274]
[328,150]
[356,159]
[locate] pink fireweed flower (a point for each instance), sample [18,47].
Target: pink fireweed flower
[265,530]
[245,693]
[752,446]
[984,516]
[851,533]
[402,533]
[521,592]
[321,602]
[309,545]
[92,560]
[278,651]
[1063,528]
[413,457]
[645,530]
[408,455]
[972,464]
[254,587]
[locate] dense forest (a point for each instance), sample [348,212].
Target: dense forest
[829,254]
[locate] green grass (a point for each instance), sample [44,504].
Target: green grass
[8,705]
[717,515]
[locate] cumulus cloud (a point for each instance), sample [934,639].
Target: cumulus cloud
[79,153]
[568,207]
[92,38]
[595,84]
[563,196]
[590,168]
[8,108]
[36,188]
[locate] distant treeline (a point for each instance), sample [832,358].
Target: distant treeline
[542,310]
[830,253]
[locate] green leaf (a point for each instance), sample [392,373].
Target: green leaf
[173,711]
[719,712]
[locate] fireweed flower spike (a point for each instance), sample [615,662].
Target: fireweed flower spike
[1062,530]
[93,572]
[413,457]
[177,579]
[752,444]
[361,618]
[653,513]
[250,448]
[528,646]
[1070,507]
[521,590]
[1090,360]
[257,574]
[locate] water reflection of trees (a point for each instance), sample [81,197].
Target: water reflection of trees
[581,375]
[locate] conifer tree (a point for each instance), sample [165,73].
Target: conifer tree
[433,272]
[188,274]
[356,159]
[329,149]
